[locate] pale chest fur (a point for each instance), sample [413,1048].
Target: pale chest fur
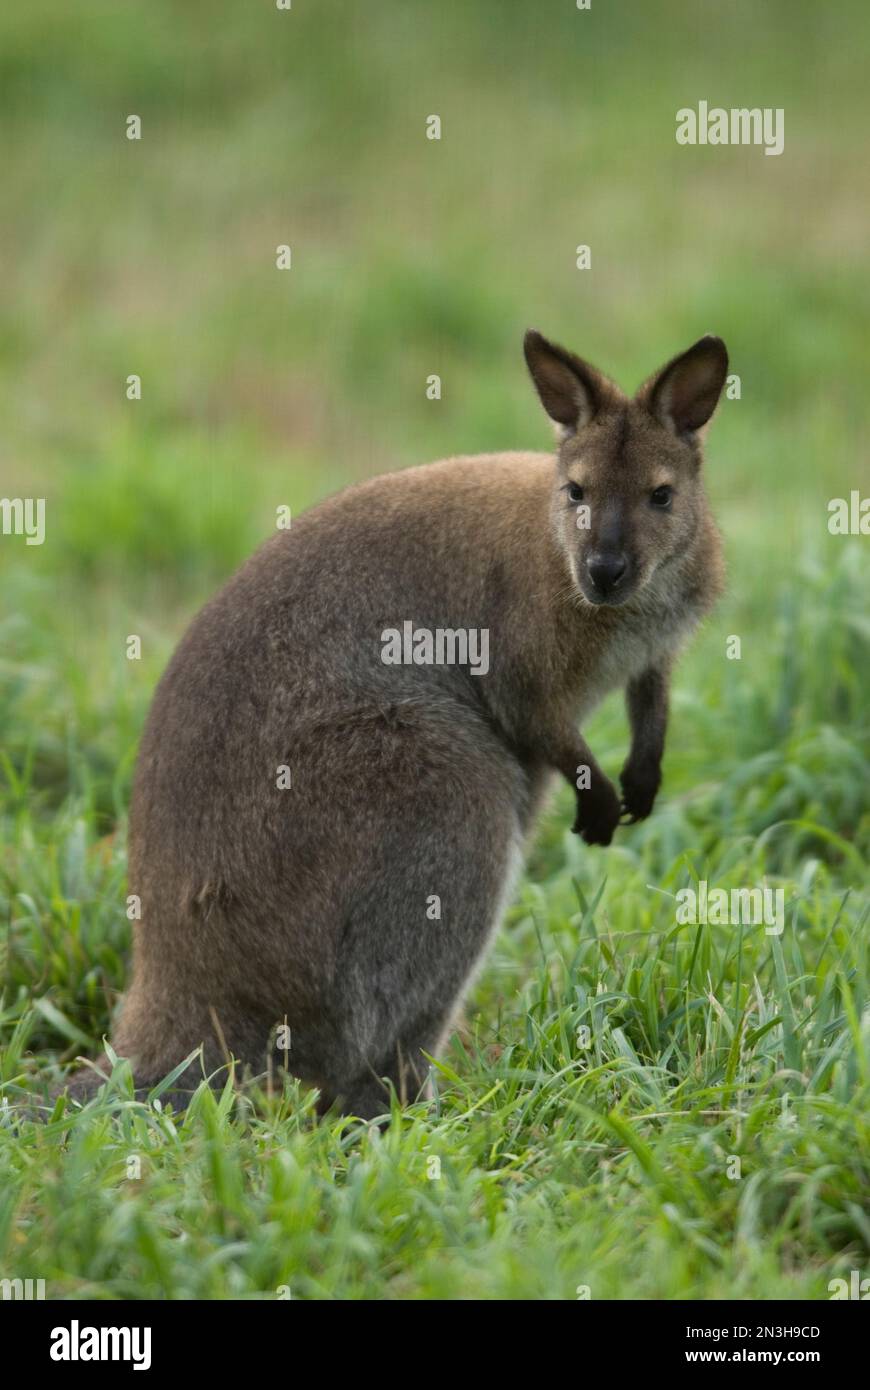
[638,640]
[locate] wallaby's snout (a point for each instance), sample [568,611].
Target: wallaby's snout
[606,570]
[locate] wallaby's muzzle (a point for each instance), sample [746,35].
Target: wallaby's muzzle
[606,577]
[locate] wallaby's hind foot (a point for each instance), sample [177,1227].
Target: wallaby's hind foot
[370,1094]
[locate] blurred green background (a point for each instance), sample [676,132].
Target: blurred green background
[410,256]
[262,388]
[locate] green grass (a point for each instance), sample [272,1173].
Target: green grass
[561,1165]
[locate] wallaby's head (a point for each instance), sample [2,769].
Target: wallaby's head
[628,493]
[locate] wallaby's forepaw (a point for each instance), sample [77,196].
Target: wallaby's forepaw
[639,784]
[598,811]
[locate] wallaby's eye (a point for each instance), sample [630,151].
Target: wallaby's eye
[661,497]
[575,492]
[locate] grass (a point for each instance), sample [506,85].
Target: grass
[550,1161]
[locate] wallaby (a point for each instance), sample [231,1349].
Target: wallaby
[326,822]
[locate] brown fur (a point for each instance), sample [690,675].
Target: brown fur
[310,904]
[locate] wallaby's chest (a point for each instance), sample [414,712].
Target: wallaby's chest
[631,645]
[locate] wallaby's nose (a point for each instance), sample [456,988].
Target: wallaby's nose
[606,568]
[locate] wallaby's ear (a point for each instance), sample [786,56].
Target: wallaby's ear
[571,391]
[684,394]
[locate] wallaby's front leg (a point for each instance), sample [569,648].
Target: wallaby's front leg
[598,807]
[647,700]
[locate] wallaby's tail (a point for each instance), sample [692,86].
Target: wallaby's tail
[81,1085]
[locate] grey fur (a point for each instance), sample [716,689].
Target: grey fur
[309,904]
